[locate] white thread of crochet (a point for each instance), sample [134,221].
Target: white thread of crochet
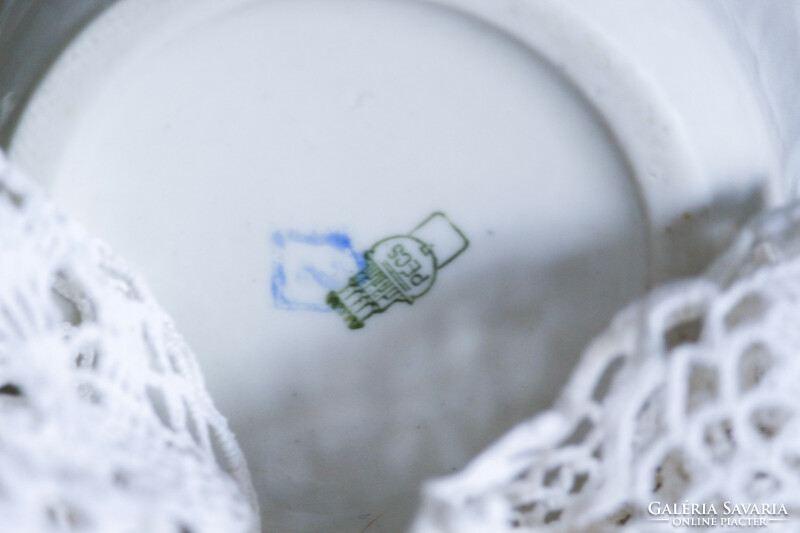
[691,395]
[105,423]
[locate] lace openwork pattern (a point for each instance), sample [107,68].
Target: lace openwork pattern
[691,395]
[105,423]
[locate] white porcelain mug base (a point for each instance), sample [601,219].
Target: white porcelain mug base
[243,155]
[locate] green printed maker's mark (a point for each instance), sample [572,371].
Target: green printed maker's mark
[399,268]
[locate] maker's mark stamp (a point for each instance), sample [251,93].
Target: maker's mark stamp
[399,268]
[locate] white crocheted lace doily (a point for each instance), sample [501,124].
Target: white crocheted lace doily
[105,423]
[691,395]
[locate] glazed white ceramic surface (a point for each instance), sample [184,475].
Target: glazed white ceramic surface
[244,154]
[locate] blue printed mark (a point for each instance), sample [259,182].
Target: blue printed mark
[306,266]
